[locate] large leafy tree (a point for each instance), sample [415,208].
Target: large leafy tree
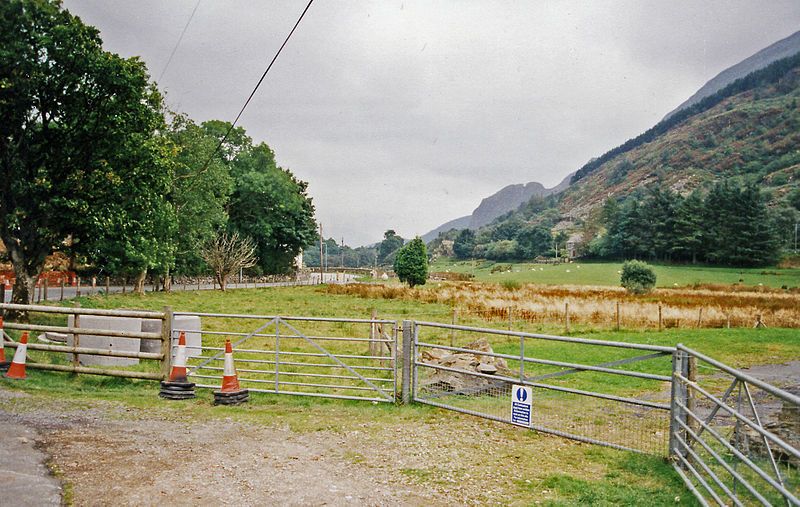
[390,245]
[200,192]
[464,244]
[272,207]
[79,151]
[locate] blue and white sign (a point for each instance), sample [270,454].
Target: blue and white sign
[521,405]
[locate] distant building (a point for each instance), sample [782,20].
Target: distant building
[574,242]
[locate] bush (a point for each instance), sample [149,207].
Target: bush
[411,263]
[510,285]
[637,277]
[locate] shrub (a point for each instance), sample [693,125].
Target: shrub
[411,263]
[510,285]
[637,277]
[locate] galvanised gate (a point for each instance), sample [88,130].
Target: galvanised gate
[303,356]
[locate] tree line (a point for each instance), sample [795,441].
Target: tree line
[95,167]
[730,225]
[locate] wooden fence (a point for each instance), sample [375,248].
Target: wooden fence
[75,331]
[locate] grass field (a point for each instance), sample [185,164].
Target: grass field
[607,273]
[554,470]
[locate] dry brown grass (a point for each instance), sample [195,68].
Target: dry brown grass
[596,306]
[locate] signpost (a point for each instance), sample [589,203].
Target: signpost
[521,405]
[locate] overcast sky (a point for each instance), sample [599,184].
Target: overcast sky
[405,114]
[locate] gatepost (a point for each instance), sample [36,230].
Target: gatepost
[408,360]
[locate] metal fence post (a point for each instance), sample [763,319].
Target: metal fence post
[408,346]
[166,342]
[680,394]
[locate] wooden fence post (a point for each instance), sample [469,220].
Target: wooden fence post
[62,290]
[166,342]
[453,331]
[660,320]
[78,287]
[108,285]
[373,333]
[46,287]
[566,315]
[728,321]
[618,317]
[510,317]
[699,317]
[76,337]
[124,283]
[408,359]
[94,286]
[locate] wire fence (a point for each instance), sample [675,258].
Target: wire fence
[609,393]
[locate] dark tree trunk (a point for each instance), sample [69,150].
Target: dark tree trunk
[138,286]
[27,268]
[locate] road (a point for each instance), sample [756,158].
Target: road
[55,293]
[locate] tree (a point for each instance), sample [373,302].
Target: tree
[688,232]
[80,153]
[464,244]
[199,199]
[391,243]
[637,277]
[226,254]
[272,207]
[739,227]
[533,241]
[411,263]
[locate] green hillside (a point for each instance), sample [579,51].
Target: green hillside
[753,136]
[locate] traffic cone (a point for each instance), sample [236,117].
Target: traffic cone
[178,373]
[17,368]
[178,387]
[230,393]
[3,363]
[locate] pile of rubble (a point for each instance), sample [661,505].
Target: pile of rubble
[465,383]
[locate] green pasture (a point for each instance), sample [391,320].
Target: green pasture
[607,273]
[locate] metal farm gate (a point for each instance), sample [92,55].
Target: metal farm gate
[304,356]
[609,393]
[735,440]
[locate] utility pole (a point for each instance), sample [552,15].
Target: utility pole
[342,249]
[321,267]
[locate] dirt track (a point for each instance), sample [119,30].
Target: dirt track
[108,454]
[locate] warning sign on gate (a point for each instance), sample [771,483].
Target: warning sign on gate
[521,405]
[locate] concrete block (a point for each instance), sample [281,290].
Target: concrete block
[189,323]
[151,326]
[107,342]
[192,325]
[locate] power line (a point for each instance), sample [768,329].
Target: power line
[169,60]
[225,137]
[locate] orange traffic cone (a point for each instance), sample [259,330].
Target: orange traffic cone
[178,387]
[17,368]
[231,393]
[178,373]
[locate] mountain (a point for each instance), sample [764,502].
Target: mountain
[749,130]
[506,199]
[781,49]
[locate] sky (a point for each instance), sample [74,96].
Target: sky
[405,114]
